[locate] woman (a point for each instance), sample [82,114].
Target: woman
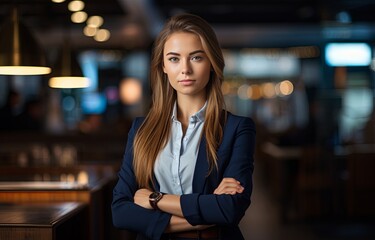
[187,168]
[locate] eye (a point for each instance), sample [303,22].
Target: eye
[196,58]
[173,59]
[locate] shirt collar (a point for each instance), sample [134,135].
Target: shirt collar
[199,116]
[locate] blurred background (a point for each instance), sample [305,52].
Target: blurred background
[303,70]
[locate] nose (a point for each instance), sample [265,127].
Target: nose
[186,68]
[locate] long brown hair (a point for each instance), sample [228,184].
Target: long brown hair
[153,134]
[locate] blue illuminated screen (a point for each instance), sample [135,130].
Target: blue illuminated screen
[348,54]
[93,103]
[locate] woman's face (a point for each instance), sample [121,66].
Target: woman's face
[186,64]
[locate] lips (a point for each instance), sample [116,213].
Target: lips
[186,82]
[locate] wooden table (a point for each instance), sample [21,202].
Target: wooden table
[17,185]
[47,221]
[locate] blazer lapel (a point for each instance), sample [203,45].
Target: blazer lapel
[201,168]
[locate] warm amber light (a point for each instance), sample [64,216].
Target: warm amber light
[76,5]
[83,178]
[24,70]
[286,88]
[89,31]
[69,82]
[225,88]
[58,1]
[95,21]
[102,35]
[79,17]
[254,92]
[130,91]
[268,90]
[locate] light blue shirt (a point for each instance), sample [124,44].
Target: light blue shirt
[175,164]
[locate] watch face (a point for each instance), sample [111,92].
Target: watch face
[154,195]
[154,198]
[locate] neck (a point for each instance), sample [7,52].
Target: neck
[187,106]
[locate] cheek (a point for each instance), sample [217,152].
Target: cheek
[168,69]
[172,83]
[206,74]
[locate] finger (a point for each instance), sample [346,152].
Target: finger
[229,189]
[228,185]
[229,180]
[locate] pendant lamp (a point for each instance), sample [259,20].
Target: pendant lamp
[67,73]
[19,51]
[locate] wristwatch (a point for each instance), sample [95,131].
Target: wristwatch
[154,198]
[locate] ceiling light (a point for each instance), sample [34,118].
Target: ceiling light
[79,17]
[102,35]
[95,21]
[68,82]
[67,73]
[19,51]
[76,6]
[89,31]
[58,1]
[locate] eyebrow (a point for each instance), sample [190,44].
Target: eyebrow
[192,53]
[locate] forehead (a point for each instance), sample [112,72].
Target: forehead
[183,42]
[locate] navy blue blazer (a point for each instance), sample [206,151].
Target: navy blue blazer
[235,159]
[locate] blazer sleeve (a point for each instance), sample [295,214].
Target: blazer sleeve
[226,209]
[125,213]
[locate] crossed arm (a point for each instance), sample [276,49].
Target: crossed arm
[171,204]
[225,205]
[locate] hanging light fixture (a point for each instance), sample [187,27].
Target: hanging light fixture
[68,73]
[19,51]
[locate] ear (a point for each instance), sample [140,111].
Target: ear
[164,69]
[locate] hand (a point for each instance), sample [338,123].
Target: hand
[141,198]
[229,186]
